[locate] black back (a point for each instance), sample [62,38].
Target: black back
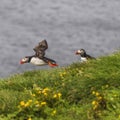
[83,54]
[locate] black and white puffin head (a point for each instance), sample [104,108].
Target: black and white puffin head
[84,56]
[25,60]
[81,52]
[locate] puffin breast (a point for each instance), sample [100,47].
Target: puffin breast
[83,59]
[37,61]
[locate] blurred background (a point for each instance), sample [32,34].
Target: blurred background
[67,25]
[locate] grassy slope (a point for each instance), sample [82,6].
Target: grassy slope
[76,83]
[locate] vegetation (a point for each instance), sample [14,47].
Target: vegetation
[81,91]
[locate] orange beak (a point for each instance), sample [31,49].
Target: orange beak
[21,62]
[76,53]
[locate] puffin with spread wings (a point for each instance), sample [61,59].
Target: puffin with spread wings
[39,58]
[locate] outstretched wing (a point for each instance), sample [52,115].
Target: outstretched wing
[40,49]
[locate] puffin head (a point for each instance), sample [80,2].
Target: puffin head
[24,60]
[81,52]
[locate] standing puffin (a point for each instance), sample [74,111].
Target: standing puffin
[39,58]
[83,55]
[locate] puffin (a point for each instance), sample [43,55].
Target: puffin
[39,58]
[83,55]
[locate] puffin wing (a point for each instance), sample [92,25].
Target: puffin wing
[89,57]
[40,49]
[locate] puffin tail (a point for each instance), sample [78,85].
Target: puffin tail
[50,62]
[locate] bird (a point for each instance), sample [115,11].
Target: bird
[39,58]
[83,55]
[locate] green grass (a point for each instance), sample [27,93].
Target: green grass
[90,91]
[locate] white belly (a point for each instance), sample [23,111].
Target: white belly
[83,59]
[37,61]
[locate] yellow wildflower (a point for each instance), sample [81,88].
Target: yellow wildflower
[54,112]
[27,104]
[61,75]
[99,98]
[95,107]
[93,92]
[39,92]
[29,118]
[43,103]
[64,73]
[59,95]
[45,94]
[33,95]
[94,102]
[55,96]
[46,89]
[115,95]
[29,101]
[22,103]
[97,93]
[36,102]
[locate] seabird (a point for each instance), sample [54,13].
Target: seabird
[39,58]
[83,55]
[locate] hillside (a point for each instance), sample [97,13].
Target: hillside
[80,91]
